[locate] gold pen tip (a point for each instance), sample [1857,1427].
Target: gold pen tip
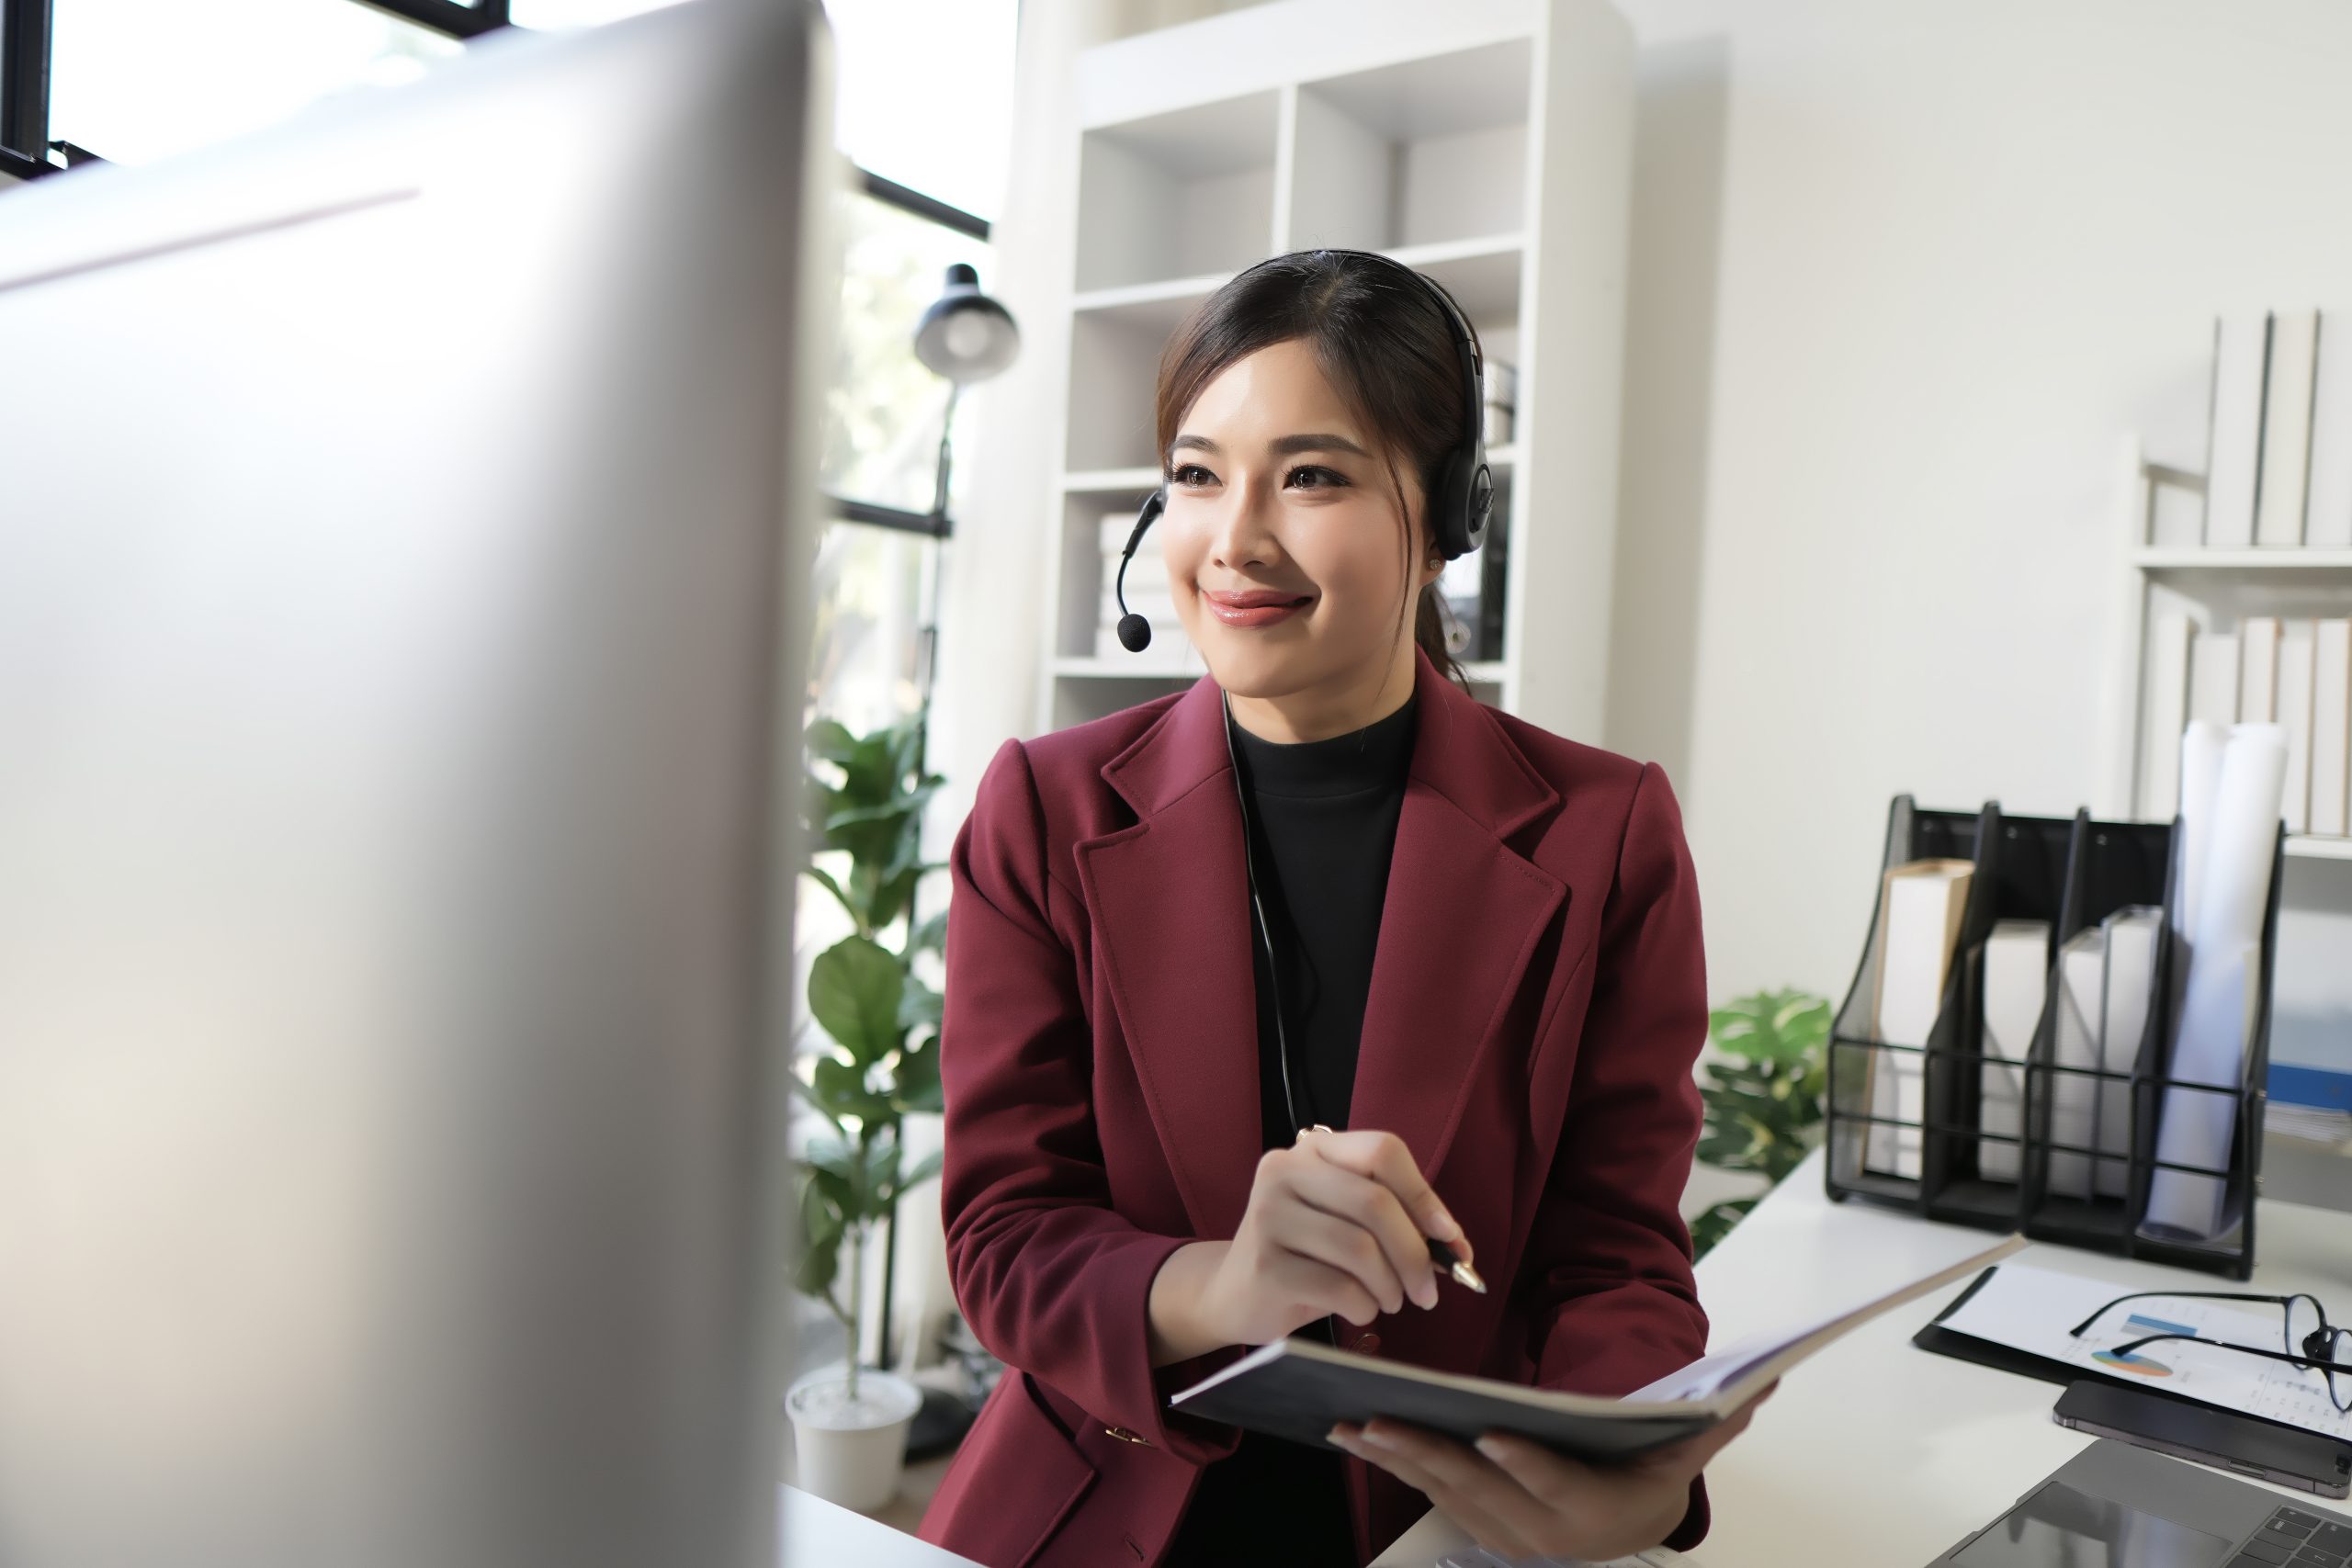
[1466,1275]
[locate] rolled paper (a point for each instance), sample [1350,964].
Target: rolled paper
[2233,853]
[2201,747]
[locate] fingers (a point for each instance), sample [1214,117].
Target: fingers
[1366,1203]
[1382,1157]
[1689,1457]
[1469,1475]
[1408,1456]
[1345,1246]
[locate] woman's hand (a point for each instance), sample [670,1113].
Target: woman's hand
[1520,1499]
[1336,1224]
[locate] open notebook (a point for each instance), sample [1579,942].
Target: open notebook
[1298,1389]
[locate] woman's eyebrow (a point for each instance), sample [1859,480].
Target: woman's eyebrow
[1281,446]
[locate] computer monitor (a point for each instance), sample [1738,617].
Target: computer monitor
[402,520]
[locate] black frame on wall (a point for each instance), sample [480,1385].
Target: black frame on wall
[24,88]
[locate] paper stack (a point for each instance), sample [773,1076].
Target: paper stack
[2074,1096]
[1922,902]
[2131,935]
[2017,972]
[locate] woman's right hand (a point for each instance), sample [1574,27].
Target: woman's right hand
[1335,1224]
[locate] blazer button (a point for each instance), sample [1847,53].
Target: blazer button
[1368,1343]
[1127,1437]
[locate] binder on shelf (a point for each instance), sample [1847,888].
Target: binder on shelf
[2057,1166]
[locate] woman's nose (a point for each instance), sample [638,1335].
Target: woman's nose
[1241,535]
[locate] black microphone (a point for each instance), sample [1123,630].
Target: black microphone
[1135,632]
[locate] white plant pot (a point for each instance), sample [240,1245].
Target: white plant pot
[845,1453]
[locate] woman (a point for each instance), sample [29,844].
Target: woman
[1479,942]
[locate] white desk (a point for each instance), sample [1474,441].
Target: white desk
[1874,1453]
[813,1533]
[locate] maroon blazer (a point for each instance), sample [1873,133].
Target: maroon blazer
[1537,1001]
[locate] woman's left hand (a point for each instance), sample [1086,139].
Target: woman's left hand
[1521,1499]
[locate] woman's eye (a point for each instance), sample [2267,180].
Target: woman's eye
[1318,477]
[1188,474]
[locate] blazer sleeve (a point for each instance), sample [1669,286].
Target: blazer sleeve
[1609,1254]
[1051,1278]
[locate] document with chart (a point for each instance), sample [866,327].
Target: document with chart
[2032,1309]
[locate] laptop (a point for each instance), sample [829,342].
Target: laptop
[2121,1506]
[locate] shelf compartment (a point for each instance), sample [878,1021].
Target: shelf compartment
[1177,195]
[1113,373]
[1431,149]
[1481,274]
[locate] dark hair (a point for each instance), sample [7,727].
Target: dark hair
[1383,344]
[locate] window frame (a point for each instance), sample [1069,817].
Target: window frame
[25,54]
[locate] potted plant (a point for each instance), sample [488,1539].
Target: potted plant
[878,1060]
[1764,1109]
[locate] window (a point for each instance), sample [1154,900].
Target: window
[137,80]
[924,112]
[882,417]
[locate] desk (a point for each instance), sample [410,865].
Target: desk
[1877,1455]
[813,1533]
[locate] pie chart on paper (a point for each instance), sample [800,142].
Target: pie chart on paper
[2133,1362]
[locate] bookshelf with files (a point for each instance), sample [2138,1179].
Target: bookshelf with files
[2071,873]
[1486,143]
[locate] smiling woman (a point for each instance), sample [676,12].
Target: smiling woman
[1450,959]
[1307,413]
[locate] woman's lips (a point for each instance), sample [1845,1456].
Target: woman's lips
[1258,607]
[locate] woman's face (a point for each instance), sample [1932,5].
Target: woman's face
[1284,550]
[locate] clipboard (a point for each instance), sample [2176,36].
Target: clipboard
[1943,1341]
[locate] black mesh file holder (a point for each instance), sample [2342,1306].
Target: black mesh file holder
[2071,873]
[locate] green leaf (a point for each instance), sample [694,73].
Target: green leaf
[922,1170]
[831,740]
[918,1086]
[809,1097]
[1717,1222]
[856,989]
[839,1088]
[831,1155]
[825,879]
[929,937]
[920,1007]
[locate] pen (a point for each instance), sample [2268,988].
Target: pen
[1452,1268]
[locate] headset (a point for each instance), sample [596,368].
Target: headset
[1465,499]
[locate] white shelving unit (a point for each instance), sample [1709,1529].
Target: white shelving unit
[1486,143]
[2216,589]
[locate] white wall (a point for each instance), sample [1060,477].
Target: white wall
[1901,275]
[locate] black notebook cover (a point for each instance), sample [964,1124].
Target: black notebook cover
[1300,1399]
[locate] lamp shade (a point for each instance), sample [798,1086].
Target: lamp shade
[964,335]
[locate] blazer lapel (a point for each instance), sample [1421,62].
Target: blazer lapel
[1171,904]
[1462,916]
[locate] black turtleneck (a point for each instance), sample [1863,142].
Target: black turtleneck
[1323,821]
[1322,825]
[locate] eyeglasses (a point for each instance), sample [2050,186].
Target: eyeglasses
[2313,1344]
